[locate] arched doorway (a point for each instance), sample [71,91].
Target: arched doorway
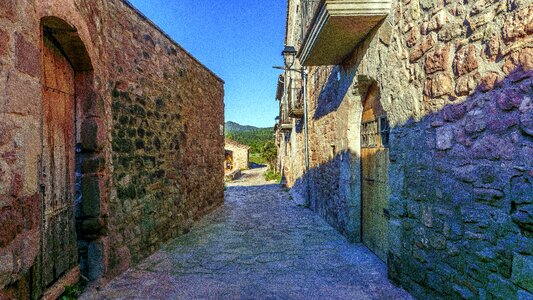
[74,216]
[374,174]
[228,160]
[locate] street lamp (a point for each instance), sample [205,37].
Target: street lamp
[289,55]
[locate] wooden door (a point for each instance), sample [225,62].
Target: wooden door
[374,175]
[59,253]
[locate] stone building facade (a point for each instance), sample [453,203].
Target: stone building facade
[420,119]
[110,142]
[237,156]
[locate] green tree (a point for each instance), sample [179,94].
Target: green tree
[269,153]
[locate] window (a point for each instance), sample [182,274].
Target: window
[375,133]
[384,130]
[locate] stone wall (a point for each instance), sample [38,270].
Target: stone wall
[455,80]
[461,202]
[241,154]
[148,135]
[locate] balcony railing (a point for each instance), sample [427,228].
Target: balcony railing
[337,27]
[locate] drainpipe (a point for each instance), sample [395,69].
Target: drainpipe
[306,135]
[281,117]
[281,121]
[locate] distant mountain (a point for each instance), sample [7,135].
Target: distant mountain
[236,127]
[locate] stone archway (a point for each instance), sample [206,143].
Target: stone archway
[365,110]
[73,177]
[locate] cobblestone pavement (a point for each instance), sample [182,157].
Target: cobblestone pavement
[259,245]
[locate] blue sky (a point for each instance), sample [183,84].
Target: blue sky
[239,40]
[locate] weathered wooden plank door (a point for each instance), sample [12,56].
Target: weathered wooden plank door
[374,175]
[59,253]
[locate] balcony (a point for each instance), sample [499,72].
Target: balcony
[285,125]
[337,28]
[296,107]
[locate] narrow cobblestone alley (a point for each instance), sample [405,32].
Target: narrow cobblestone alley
[259,245]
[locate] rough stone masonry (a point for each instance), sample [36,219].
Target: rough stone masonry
[456,81]
[110,141]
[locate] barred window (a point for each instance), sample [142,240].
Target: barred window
[375,133]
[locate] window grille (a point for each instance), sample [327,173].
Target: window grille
[384,129]
[375,133]
[369,134]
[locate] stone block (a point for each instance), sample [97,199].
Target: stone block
[493,49]
[8,9]
[395,234]
[488,81]
[27,56]
[412,37]
[32,154]
[452,230]
[31,246]
[31,211]
[488,195]
[438,86]
[444,136]
[524,295]
[93,134]
[524,217]
[501,288]
[5,43]
[525,57]
[475,121]
[385,33]
[479,6]
[509,100]
[97,253]
[518,25]
[427,4]
[92,163]
[6,268]
[125,259]
[437,21]
[467,83]
[476,22]
[521,190]
[465,60]
[438,59]
[522,274]
[451,31]
[23,95]
[452,113]
[93,190]
[11,223]
[419,50]
[467,173]
[492,147]
[419,184]
[463,292]
[17,185]
[526,121]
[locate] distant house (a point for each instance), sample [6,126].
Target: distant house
[237,156]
